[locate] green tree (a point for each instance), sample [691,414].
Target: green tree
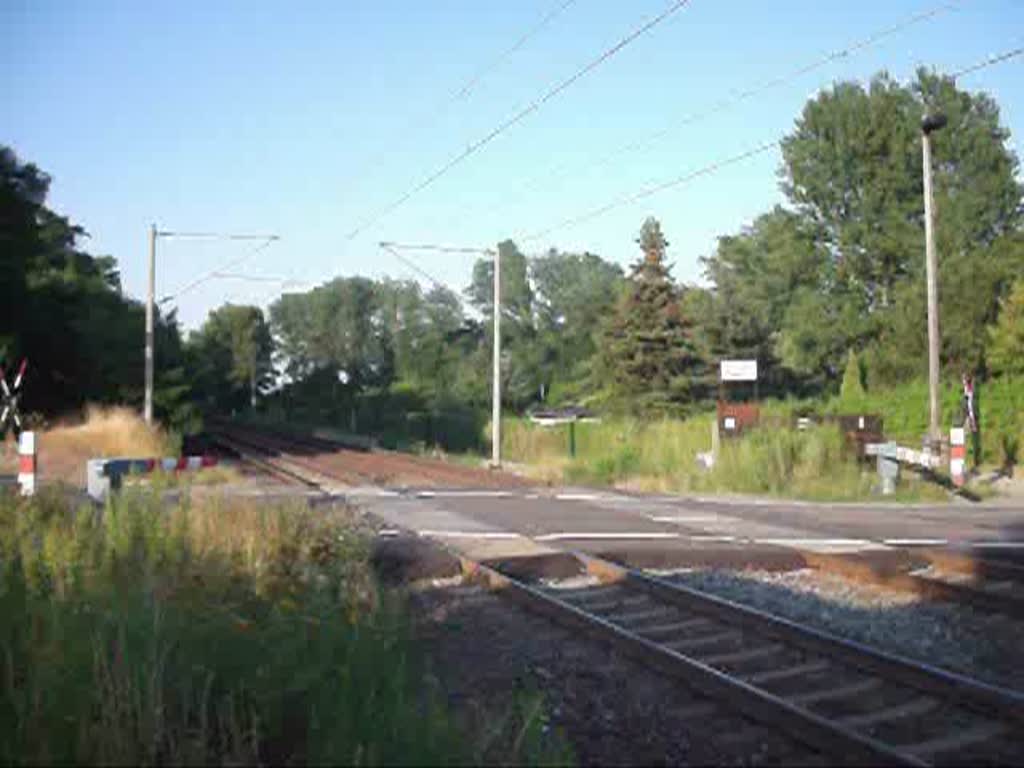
[852,172]
[1006,337]
[340,326]
[756,278]
[574,294]
[649,350]
[63,308]
[231,357]
[852,388]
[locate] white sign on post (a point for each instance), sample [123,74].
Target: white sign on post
[739,370]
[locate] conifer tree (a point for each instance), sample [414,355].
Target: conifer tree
[649,349]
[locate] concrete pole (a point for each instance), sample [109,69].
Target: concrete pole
[496,394]
[932,273]
[150,298]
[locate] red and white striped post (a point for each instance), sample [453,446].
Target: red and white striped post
[27,463]
[957,455]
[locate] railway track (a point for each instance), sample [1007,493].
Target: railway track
[846,701]
[326,461]
[851,702]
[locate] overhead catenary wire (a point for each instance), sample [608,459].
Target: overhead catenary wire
[391,248]
[474,80]
[712,168]
[465,89]
[554,172]
[212,274]
[529,109]
[998,58]
[707,170]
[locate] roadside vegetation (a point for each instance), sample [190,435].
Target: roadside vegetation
[216,633]
[662,455]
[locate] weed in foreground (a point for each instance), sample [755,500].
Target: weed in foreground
[215,633]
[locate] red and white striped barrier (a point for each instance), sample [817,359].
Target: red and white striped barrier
[957,455]
[27,463]
[105,475]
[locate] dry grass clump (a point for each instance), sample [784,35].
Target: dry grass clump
[116,431]
[104,432]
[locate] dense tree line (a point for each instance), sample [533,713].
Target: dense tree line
[829,281]
[64,310]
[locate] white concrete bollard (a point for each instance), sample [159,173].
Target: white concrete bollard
[27,463]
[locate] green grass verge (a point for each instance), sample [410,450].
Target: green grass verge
[221,632]
[661,456]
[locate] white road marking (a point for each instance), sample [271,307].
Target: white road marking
[915,542]
[469,494]
[469,534]
[388,532]
[577,496]
[604,535]
[795,542]
[997,544]
[712,538]
[683,518]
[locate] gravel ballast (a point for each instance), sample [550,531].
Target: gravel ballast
[946,635]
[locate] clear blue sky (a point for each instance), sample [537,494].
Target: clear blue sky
[303,118]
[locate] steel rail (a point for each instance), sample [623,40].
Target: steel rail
[1001,702]
[811,729]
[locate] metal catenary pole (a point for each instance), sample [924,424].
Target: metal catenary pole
[928,125]
[150,299]
[151,292]
[496,394]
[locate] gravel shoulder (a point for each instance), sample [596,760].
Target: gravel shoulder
[947,635]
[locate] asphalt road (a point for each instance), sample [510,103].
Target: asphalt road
[520,521]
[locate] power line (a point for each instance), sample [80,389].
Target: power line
[251,278]
[633,198]
[737,97]
[995,59]
[390,248]
[268,239]
[213,236]
[707,170]
[532,107]
[470,84]
[435,248]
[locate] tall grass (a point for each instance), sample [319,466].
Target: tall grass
[662,456]
[220,633]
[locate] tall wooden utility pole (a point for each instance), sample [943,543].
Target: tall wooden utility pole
[150,300]
[929,124]
[496,393]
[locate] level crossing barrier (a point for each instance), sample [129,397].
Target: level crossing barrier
[890,456]
[106,475]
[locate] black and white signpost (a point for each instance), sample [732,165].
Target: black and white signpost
[9,414]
